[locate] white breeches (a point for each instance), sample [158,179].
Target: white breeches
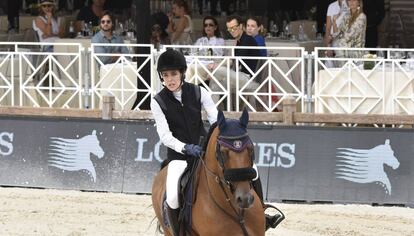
[174,171]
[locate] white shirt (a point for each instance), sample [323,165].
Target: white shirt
[163,129]
[213,41]
[334,9]
[55,29]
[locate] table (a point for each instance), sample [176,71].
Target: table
[359,91]
[307,26]
[25,22]
[119,80]
[74,71]
[4,37]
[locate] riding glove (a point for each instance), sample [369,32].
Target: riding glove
[192,150]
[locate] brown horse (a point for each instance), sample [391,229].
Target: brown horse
[225,203]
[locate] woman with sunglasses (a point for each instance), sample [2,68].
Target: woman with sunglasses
[46,24]
[211,37]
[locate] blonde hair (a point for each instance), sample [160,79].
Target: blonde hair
[355,15]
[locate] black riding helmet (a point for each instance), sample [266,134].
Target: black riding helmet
[172,60]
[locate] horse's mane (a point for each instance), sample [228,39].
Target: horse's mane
[165,162]
[207,138]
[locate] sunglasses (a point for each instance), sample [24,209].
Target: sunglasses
[106,21]
[208,24]
[47,5]
[233,28]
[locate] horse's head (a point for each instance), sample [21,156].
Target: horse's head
[235,156]
[387,155]
[95,146]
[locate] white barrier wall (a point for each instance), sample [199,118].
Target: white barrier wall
[74,76]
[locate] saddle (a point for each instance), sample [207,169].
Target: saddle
[187,186]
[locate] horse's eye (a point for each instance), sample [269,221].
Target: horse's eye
[225,153]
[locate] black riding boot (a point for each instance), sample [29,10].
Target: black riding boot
[271,221]
[172,215]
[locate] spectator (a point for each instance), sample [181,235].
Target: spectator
[222,75]
[159,36]
[235,28]
[337,8]
[211,37]
[350,33]
[254,28]
[106,35]
[46,24]
[92,13]
[180,29]
[375,12]
[13,7]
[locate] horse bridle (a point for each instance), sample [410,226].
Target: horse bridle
[236,144]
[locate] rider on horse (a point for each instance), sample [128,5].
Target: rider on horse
[177,113]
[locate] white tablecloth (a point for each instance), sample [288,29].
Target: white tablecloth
[116,77]
[364,92]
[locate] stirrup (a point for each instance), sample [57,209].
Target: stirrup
[273,221]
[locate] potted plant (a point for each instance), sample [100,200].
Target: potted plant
[369,65]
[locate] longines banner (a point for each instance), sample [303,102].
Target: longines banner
[295,163]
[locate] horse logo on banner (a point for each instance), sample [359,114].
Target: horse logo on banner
[366,165]
[74,154]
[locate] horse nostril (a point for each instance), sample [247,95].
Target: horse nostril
[251,199]
[239,200]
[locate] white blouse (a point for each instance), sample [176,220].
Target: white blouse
[213,41]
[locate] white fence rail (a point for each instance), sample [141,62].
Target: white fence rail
[364,84]
[262,88]
[79,78]
[118,74]
[29,76]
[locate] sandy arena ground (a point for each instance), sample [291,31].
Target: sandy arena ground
[75,213]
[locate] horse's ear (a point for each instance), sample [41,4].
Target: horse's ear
[221,120]
[387,142]
[94,132]
[244,118]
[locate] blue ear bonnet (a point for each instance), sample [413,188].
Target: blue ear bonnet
[232,128]
[233,133]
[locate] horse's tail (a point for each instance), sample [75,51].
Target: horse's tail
[159,228]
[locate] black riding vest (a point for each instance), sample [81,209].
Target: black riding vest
[184,120]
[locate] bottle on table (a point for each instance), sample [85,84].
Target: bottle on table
[72,32]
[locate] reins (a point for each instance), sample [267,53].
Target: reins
[239,218]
